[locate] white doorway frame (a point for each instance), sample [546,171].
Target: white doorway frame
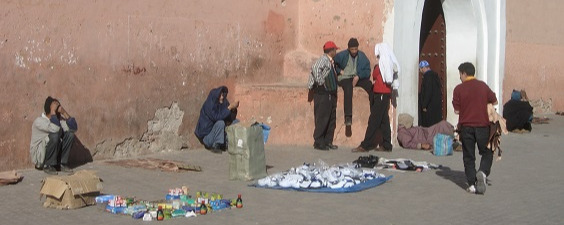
[475,33]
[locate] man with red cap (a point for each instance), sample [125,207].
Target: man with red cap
[322,82]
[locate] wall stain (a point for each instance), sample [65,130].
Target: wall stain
[135,70]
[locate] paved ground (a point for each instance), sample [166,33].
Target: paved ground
[527,187]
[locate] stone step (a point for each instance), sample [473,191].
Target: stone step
[284,107]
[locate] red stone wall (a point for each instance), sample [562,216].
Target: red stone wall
[113,63]
[339,20]
[535,51]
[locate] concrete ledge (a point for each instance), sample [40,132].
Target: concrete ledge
[284,107]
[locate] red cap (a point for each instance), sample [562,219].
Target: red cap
[330,45]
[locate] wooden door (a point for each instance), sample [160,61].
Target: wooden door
[432,44]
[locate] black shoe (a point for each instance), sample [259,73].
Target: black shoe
[388,148]
[348,131]
[67,170]
[216,150]
[383,149]
[50,170]
[332,146]
[321,147]
[39,166]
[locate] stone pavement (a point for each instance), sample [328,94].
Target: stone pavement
[527,187]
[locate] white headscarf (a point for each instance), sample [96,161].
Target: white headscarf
[388,64]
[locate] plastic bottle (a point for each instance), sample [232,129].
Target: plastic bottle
[198,197]
[160,214]
[239,202]
[203,208]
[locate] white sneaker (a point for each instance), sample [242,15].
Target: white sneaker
[267,181]
[147,217]
[291,180]
[305,184]
[190,214]
[480,182]
[471,189]
[337,184]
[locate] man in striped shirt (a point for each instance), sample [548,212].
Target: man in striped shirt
[322,83]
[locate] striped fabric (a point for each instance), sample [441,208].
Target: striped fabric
[331,80]
[323,73]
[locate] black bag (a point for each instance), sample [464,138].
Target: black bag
[367,161]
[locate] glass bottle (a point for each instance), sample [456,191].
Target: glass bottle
[203,208]
[239,202]
[160,214]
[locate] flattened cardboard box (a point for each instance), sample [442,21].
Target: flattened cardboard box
[71,192]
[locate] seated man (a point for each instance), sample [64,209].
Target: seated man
[49,142]
[216,113]
[420,137]
[517,112]
[353,70]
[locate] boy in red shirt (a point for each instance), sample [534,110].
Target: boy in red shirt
[470,100]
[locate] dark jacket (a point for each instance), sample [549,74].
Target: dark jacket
[362,66]
[431,99]
[212,111]
[517,114]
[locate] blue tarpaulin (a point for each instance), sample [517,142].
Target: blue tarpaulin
[356,188]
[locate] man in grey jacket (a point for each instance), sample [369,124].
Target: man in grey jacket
[52,136]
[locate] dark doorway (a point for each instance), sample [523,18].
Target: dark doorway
[432,44]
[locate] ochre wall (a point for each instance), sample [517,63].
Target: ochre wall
[535,51]
[284,105]
[339,20]
[112,64]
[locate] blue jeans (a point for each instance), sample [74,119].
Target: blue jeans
[58,148]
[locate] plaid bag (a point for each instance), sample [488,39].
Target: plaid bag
[442,144]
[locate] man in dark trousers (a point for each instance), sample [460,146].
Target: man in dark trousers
[353,69]
[322,82]
[470,100]
[430,97]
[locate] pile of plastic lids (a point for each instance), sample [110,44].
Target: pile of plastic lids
[177,203]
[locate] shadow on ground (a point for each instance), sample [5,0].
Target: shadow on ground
[79,154]
[457,177]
